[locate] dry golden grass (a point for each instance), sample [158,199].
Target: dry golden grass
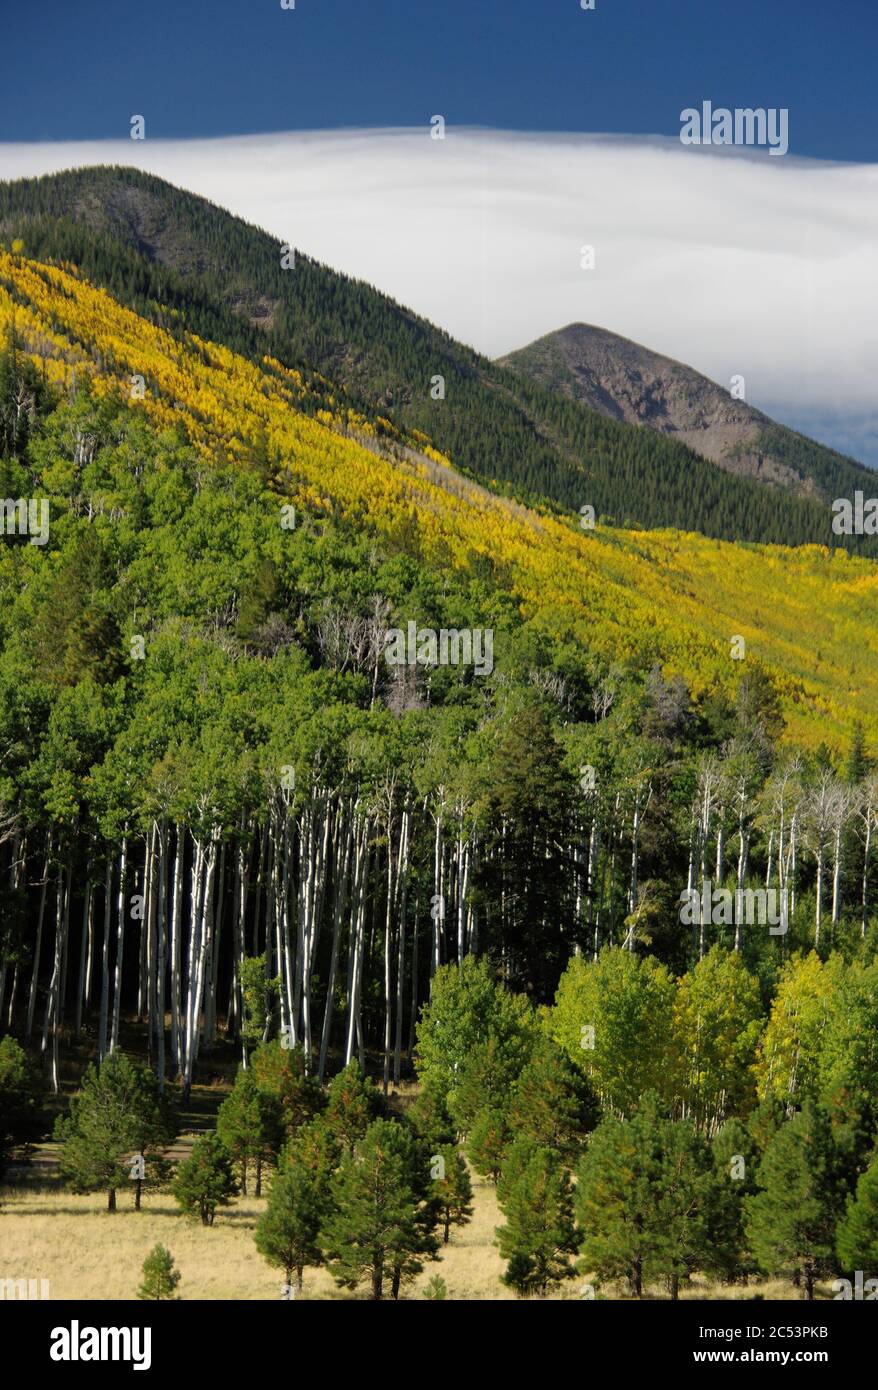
[88,1253]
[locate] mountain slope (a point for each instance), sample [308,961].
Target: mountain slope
[810,617]
[185,264]
[625,381]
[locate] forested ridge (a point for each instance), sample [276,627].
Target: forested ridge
[182,262]
[224,815]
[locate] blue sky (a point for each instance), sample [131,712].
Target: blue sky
[78,71]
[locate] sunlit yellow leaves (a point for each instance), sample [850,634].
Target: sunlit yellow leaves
[809,615]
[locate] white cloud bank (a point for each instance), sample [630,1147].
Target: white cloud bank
[735,263]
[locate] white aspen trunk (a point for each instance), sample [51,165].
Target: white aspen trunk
[55,977]
[305,838]
[436,912]
[593,850]
[836,872]
[84,950]
[743,851]
[720,848]
[16,873]
[793,852]
[413,1013]
[866,850]
[388,928]
[89,960]
[706,810]
[213,959]
[35,973]
[143,964]
[345,833]
[193,955]
[315,913]
[146,989]
[636,819]
[12,993]
[460,875]
[207,933]
[51,1020]
[402,900]
[357,932]
[120,943]
[261,849]
[472,914]
[242,885]
[196,993]
[288,965]
[65,883]
[271,855]
[175,952]
[161,950]
[105,961]
[65,943]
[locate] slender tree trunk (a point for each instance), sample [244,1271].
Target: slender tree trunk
[105,961]
[865,887]
[120,943]
[413,1012]
[84,949]
[161,951]
[35,973]
[176,947]
[388,928]
[342,884]
[402,902]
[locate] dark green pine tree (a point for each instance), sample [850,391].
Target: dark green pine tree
[280,1073]
[857,1236]
[259,598]
[859,763]
[160,1275]
[153,1130]
[539,1236]
[249,1124]
[354,1102]
[487,1142]
[514,1159]
[316,1149]
[792,1219]
[116,1116]
[287,1234]
[430,1119]
[451,1188]
[484,1082]
[644,1197]
[735,1161]
[528,807]
[380,1228]
[76,633]
[205,1180]
[22,1089]
[553,1102]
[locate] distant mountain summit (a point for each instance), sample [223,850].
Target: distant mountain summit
[628,382]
